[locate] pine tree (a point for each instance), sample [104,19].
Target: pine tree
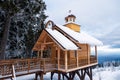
[19,17]
[9,10]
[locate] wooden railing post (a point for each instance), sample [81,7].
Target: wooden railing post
[13,70]
[28,65]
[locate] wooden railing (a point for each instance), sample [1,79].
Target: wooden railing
[93,59]
[48,65]
[62,63]
[6,69]
[25,66]
[82,62]
[37,64]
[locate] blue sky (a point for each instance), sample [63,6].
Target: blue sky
[99,18]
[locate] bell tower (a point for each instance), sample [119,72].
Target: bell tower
[70,22]
[70,18]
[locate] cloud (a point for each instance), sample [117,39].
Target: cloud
[105,50]
[93,15]
[113,38]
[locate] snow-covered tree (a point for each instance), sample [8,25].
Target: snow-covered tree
[19,17]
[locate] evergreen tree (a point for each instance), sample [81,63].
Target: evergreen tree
[22,20]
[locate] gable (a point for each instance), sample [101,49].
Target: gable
[53,36]
[61,40]
[40,40]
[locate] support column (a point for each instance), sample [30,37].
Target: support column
[77,58]
[37,54]
[88,53]
[71,75]
[81,74]
[66,61]
[91,78]
[52,73]
[41,55]
[59,77]
[42,48]
[63,77]
[58,59]
[88,71]
[41,76]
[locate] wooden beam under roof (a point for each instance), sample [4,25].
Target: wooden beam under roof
[45,43]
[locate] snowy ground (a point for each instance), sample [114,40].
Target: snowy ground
[106,73]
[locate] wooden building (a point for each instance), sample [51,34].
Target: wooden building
[66,49]
[62,49]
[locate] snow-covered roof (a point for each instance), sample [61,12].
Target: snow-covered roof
[65,42]
[81,37]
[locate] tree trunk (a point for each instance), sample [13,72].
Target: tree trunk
[5,37]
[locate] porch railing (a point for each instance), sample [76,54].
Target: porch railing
[82,62]
[26,66]
[37,64]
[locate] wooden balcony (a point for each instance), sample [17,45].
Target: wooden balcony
[27,66]
[72,63]
[82,62]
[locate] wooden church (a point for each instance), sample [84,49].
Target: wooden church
[62,49]
[66,50]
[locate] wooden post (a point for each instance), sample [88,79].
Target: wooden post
[59,77]
[28,64]
[41,55]
[14,76]
[44,65]
[77,58]
[63,76]
[41,76]
[42,48]
[66,65]
[38,54]
[91,78]
[88,53]
[52,73]
[58,58]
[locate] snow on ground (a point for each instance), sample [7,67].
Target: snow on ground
[106,73]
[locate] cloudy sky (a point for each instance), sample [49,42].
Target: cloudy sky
[99,18]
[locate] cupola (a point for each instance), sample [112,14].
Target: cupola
[70,18]
[70,22]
